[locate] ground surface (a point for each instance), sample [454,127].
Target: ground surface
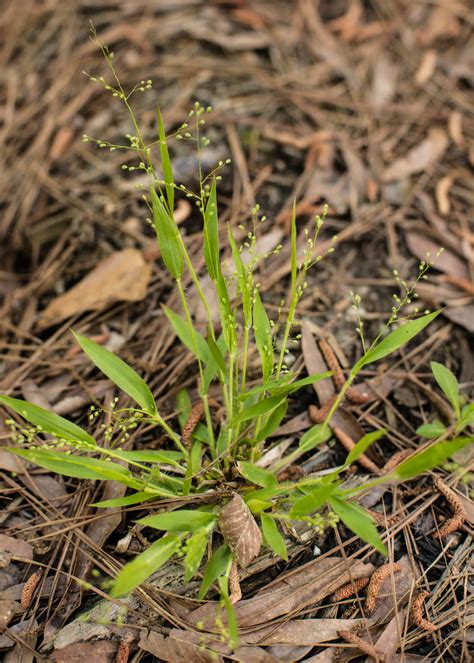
[363,105]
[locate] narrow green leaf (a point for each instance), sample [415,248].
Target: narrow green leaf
[215,568]
[314,436]
[294,255]
[145,564]
[181,329]
[313,501]
[136,498]
[448,384]
[263,335]
[430,457]
[211,366]
[273,537]
[230,612]
[49,421]
[119,372]
[216,352]
[251,411]
[226,314]
[184,520]
[432,429]
[257,475]
[167,234]
[357,520]
[151,456]
[274,420]
[398,338]
[195,548]
[166,163]
[362,445]
[78,467]
[211,234]
[184,406]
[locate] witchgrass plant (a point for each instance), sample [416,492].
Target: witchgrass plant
[217,464]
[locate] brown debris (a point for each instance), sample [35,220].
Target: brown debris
[381,518]
[396,459]
[351,588]
[348,444]
[375,584]
[192,421]
[339,379]
[416,612]
[240,531]
[29,589]
[123,651]
[459,513]
[357,641]
[291,473]
[234,583]
[319,414]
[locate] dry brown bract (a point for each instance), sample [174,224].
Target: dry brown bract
[416,612]
[192,421]
[240,531]
[363,645]
[351,588]
[375,584]
[459,514]
[348,444]
[28,590]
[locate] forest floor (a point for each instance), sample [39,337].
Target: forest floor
[365,106]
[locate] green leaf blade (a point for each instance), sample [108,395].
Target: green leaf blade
[119,372]
[448,384]
[167,234]
[273,537]
[184,520]
[357,520]
[397,338]
[166,163]
[145,564]
[50,422]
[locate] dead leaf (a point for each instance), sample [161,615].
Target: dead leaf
[122,276]
[102,651]
[176,649]
[307,585]
[427,67]
[240,530]
[301,631]
[461,315]
[384,82]
[418,158]
[442,190]
[16,547]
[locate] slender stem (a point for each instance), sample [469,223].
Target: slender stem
[203,394]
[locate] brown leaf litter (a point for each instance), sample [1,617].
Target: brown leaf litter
[240,530]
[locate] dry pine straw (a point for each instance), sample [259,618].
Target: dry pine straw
[459,513]
[364,646]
